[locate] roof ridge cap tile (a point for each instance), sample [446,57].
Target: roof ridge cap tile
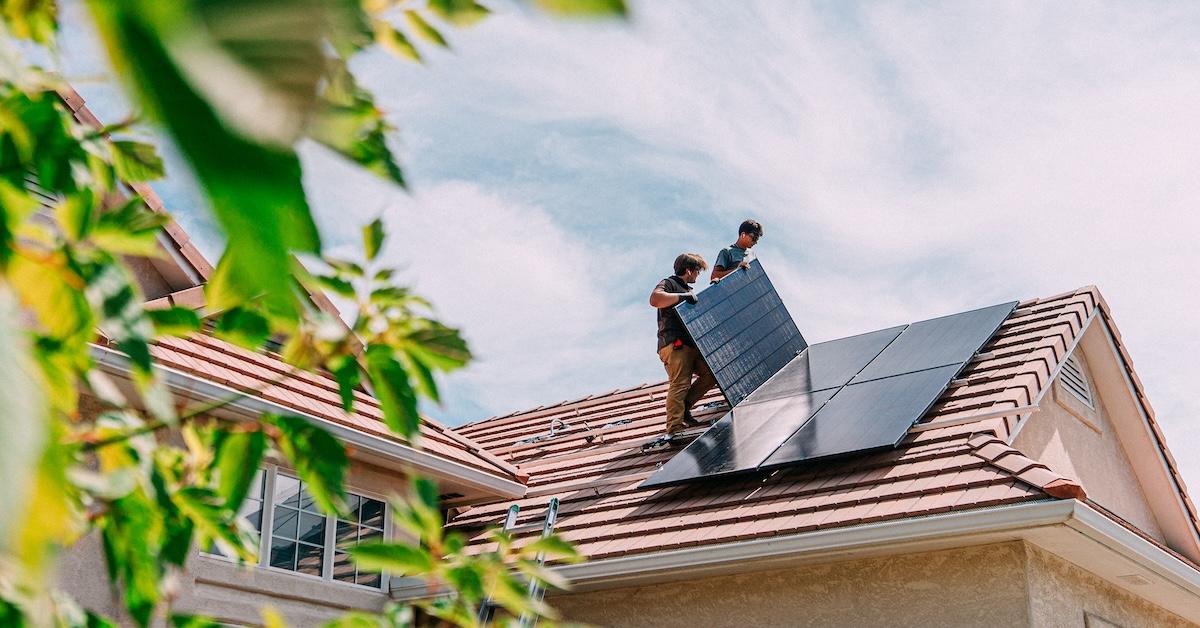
[1033,472]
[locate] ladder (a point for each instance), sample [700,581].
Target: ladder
[536,592]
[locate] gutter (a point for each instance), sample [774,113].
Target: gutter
[248,407]
[1018,521]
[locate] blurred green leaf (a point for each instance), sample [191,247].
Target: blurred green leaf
[130,229]
[214,521]
[396,395]
[585,8]
[243,327]
[254,188]
[23,423]
[546,576]
[131,531]
[174,321]
[459,12]
[373,238]
[346,371]
[553,547]
[136,162]
[318,458]
[238,455]
[349,122]
[36,20]
[192,621]
[395,41]
[424,29]
[396,558]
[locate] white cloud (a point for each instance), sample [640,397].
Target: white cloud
[907,161]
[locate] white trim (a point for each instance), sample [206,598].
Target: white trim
[971,418]
[250,407]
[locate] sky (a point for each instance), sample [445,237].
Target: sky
[906,160]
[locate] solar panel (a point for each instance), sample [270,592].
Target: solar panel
[827,364]
[742,330]
[862,417]
[740,440]
[938,342]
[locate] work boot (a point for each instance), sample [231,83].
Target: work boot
[689,420]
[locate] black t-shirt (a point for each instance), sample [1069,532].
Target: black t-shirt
[670,326]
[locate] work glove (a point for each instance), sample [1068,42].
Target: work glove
[690,297]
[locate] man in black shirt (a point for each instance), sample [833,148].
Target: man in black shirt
[675,347]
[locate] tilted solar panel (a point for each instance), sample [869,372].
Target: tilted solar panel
[743,330]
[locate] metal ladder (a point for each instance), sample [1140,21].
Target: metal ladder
[536,593]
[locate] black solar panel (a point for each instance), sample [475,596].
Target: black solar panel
[743,330]
[866,416]
[938,342]
[827,364]
[740,441]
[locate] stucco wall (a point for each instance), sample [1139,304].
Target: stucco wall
[1080,443]
[1061,594]
[976,586]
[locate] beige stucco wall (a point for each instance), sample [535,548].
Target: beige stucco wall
[233,593]
[1007,584]
[976,586]
[1079,443]
[1061,594]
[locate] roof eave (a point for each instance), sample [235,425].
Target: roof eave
[1064,527]
[247,407]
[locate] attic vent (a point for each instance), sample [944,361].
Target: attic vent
[1074,380]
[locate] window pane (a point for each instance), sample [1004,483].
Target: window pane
[352,502]
[343,568]
[306,500]
[254,517]
[285,522]
[372,513]
[370,579]
[312,528]
[309,559]
[287,490]
[367,535]
[347,533]
[283,554]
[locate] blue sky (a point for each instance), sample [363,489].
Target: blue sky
[907,161]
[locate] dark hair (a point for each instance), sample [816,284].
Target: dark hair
[688,261]
[752,227]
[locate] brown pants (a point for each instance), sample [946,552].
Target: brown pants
[681,364]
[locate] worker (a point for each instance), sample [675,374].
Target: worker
[737,255]
[678,353]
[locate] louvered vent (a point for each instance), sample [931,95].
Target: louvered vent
[1074,379]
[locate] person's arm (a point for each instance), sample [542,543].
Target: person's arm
[718,272]
[660,298]
[720,265]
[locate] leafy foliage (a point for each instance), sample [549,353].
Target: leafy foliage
[235,85]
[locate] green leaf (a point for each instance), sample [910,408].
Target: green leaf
[214,521]
[346,371]
[585,8]
[373,238]
[553,548]
[466,581]
[396,395]
[192,621]
[136,162]
[358,620]
[424,29]
[318,458]
[76,215]
[459,12]
[131,229]
[437,345]
[350,123]
[395,41]
[174,321]
[35,20]
[337,285]
[396,558]
[243,327]
[238,455]
[253,185]
[131,530]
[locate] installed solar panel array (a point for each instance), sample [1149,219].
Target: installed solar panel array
[835,398]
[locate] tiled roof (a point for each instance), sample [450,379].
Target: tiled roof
[954,458]
[269,378]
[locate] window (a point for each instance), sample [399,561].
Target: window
[300,538]
[365,525]
[1074,379]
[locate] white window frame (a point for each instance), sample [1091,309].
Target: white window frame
[270,471]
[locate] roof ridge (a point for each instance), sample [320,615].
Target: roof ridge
[988,446]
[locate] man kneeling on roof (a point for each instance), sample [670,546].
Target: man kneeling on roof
[678,353]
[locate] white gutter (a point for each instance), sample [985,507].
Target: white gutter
[1029,521]
[250,407]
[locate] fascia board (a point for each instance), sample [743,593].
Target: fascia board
[248,407]
[1134,547]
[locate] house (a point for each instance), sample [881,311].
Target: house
[1038,491]
[301,573]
